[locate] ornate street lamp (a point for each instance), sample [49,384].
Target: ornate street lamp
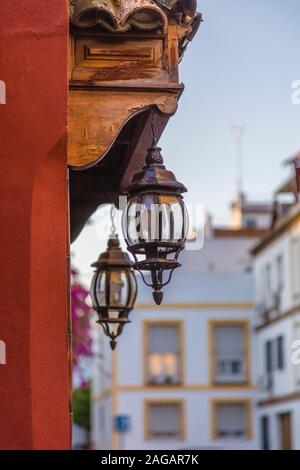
[155,221]
[113,288]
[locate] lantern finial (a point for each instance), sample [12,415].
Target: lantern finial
[154,156]
[157,296]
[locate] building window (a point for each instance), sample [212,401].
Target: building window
[280,352]
[163,353]
[231,420]
[277,294]
[250,223]
[280,274]
[230,352]
[295,263]
[274,354]
[267,283]
[164,420]
[269,356]
[296,365]
[264,433]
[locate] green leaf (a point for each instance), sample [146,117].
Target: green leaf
[81,407]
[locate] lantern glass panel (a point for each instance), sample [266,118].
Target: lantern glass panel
[130,221]
[99,289]
[155,218]
[118,289]
[148,223]
[92,290]
[175,219]
[119,284]
[133,287]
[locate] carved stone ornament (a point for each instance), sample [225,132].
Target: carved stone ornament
[126,15]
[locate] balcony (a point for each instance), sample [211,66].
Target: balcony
[230,370]
[269,310]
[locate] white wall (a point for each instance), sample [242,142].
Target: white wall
[198,420]
[196,324]
[280,246]
[272,411]
[219,255]
[285,382]
[196,365]
[194,283]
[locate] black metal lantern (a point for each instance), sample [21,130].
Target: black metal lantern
[155,222]
[113,289]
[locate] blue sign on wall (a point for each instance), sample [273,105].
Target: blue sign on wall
[122,423]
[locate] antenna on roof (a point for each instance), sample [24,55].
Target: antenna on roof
[237,129]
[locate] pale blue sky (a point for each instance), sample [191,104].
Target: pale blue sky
[239,67]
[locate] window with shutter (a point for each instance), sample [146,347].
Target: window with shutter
[280,353]
[163,354]
[280,273]
[268,286]
[229,353]
[296,366]
[265,433]
[295,263]
[274,354]
[164,420]
[231,421]
[268,356]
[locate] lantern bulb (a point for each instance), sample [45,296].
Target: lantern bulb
[158,296]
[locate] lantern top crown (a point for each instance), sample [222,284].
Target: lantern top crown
[113,256]
[155,176]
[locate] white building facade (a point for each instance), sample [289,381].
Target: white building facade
[277,330]
[183,374]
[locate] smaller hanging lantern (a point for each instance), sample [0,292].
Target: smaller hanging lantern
[155,221]
[113,289]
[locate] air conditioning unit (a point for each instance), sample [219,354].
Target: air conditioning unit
[277,300]
[262,313]
[266,382]
[261,308]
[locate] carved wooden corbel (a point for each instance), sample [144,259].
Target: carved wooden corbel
[95,123]
[124,59]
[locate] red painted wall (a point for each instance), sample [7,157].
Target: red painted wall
[34,384]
